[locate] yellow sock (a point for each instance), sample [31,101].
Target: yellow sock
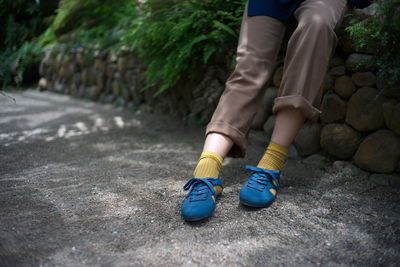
[274,157]
[209,165]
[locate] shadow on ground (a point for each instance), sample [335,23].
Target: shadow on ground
[88,184]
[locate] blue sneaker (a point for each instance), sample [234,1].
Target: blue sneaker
[200,201]
[260,188]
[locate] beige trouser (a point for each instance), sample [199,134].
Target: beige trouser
[309,50]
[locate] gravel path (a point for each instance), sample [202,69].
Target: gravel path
[84,184]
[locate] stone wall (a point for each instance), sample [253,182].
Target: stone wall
[360,121]
[118,77]
[360,118]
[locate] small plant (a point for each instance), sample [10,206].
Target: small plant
[383,29]
[324,164]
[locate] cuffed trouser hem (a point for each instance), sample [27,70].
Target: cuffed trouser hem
[239,138]
[297,102]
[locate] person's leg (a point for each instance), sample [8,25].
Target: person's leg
[259,42]
[309,50]
[216,147]
[218,143]
[287,125]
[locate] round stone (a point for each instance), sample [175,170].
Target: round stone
[358,62]
[340,140]
[392,180]
[337,71]
[364,110]
[42,84]
[259,118]
[333,108]
[265,108]
[391,113]
[269,97]
[307,139]
[269,125]
[329,82]
[344,87]
[363,79]
[335,61]
[379,152]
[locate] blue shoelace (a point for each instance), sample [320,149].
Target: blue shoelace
[261,178]
[199,189]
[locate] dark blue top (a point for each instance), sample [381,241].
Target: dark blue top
[283,9]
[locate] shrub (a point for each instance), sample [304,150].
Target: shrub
[14,65]
[21,22]
[99,22]
[173,37]
[383,29]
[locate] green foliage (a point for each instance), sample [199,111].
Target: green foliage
[99,22]
[47,38]
[382,29]
[22,21]
[324,164]
[13,64]
[173,37]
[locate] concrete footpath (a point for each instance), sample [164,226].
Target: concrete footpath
[85,184]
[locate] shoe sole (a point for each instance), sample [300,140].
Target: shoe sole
[196,219]
[256,206]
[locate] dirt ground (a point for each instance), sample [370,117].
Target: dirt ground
[85,184]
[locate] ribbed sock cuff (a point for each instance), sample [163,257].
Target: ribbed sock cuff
[274,157]
[281,149]
[209,165]
[217,157]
